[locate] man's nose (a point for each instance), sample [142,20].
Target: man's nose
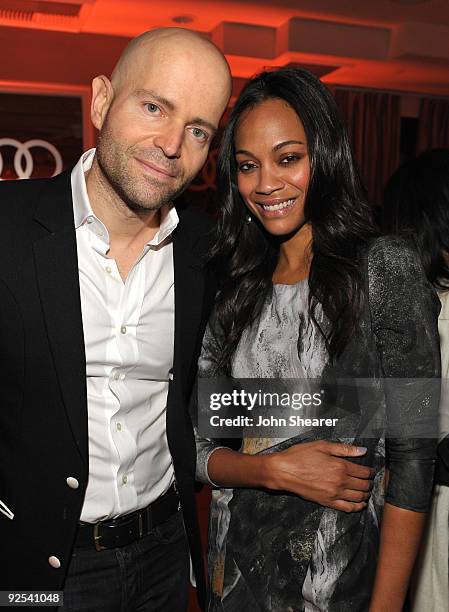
[170,141]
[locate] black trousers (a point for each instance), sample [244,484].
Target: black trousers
[149,575]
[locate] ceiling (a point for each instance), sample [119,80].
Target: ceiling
[389,44]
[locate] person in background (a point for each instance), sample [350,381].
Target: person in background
[416,206]
[104,303]
[307,290]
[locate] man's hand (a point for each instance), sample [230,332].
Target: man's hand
[320,472]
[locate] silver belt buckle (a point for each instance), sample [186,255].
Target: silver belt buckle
[97,538]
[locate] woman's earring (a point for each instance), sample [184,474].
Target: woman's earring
[248,219]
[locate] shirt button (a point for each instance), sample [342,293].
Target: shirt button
[54,562]
[108,269]
[125,479]
[119,427]
[123,329]
[90,219]
[72,482]
[116,376]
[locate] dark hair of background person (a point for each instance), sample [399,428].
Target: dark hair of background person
[416,207]
[245,254]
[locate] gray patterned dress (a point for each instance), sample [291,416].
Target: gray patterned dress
[276,552]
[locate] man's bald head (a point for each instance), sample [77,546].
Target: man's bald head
[158,114]
[172,41]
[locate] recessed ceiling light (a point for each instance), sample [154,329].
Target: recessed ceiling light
[183,19]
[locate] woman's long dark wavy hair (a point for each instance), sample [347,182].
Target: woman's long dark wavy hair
[245,254]
[416,206]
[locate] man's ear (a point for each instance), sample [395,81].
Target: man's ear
[102,95]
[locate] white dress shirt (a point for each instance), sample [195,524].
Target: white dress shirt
[129,335]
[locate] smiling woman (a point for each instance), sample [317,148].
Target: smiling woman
[308,291]
[285,140]
[274,175]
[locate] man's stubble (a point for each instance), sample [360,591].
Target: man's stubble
[146,193]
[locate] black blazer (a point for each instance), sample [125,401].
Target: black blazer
[43,406]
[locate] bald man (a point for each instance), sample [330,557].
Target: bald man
[104,302]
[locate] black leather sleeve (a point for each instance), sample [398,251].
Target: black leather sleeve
[404,316]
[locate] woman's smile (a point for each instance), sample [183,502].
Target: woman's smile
[277,208]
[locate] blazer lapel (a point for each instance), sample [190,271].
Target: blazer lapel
[189,292]
[56,263]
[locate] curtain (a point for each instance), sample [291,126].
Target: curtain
[374,124]
[433,124]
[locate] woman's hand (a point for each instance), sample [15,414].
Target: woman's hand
[320,472]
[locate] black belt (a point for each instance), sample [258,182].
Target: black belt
[129,527]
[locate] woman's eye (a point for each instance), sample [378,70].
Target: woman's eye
[288,159]
[152,108]
[246,167]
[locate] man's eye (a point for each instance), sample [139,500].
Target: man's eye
[199,134]
[152,108]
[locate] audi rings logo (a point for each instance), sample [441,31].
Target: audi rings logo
[23,157]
